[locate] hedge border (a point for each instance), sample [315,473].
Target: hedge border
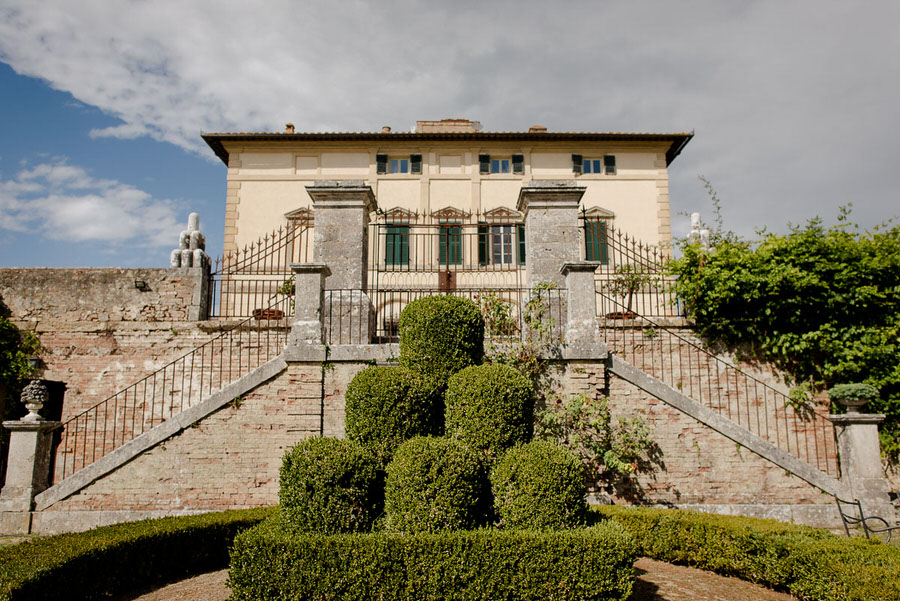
[123,558]
[811,564]
[585,564]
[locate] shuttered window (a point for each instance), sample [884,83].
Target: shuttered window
[595,242]
[396,248]
[381,161]
[450,244]
[577,161]
[609,164]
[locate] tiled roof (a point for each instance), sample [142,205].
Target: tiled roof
[677,140]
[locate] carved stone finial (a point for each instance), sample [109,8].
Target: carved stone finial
[191,246]
[34,396]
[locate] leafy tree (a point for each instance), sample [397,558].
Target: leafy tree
[820,303]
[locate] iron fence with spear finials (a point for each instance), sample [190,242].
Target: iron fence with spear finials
[243,282]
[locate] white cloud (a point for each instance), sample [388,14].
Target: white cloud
[794,103]
[64,202]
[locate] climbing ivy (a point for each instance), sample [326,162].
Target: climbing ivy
[15,347]
[820,303]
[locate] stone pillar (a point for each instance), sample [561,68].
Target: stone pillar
[582,332]
[552,234]
[341,233]
[309,293]
[28,462]
[341,241]
[861,470]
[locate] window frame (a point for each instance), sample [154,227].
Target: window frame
[596,241]
[396,255]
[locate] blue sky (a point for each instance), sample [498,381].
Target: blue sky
[102,103]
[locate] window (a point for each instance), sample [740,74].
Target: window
[396,245]
[500,165]
[596,166]
[512,164]
[595,241]
[593,165]
[401,164]
[501,244]
[450,244]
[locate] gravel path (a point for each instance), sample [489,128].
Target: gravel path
[656,581]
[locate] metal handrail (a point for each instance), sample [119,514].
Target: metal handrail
[718,384]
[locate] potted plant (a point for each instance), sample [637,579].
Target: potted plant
[852,396]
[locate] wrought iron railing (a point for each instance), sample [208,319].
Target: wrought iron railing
[182,383]
[357,317]
[684,364]
[244,280]
[631,270]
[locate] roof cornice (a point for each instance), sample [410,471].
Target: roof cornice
[677,141]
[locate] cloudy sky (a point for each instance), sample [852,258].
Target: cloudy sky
[794,104]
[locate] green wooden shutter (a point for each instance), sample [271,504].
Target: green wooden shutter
[484,163]
[450,252]
[609,164]
[415,163]
[596,247]
[518,163]
[381,163]
[396,248]
[577,164]
[483,242]
[520,233]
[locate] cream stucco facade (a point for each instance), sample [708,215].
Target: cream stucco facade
[268,173]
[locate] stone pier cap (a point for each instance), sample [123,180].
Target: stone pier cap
[352,191]
[549,192]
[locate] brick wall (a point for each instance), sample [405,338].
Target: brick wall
[98,331]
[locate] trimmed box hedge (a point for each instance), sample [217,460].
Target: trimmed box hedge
[440,335]
[812,564]
[387,405]
[124,558]
[436,484]
[596,563]
[539,485]
[490,408]
[330,485]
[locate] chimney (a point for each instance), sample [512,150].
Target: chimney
[289,128]
[447,126]
[537,129]
[386,129]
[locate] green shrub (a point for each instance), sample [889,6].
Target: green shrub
[121,559]
[435,484]
[489,407]
[574,565]
[852,392]
[811,564]
[539,485]
[387,405]
[440,335]
[329,485]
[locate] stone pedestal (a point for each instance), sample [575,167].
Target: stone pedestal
[552,234]
[309,291]
[582,332]
[861,470]
[27,472]
[341,241]
[341,238]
